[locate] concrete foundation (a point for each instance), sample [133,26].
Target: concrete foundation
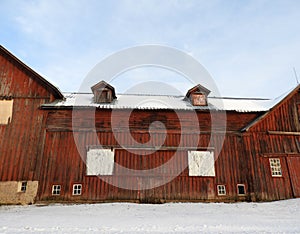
[10,192]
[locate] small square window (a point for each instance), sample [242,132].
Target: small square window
[56,189]
[22,186]
[241,189]
[221,190]
[77,188]
[275,167]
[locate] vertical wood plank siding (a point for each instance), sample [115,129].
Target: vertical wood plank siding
[61,154]
[63,165]
[22,140]
[260,146]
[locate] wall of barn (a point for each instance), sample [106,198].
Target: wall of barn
[22,138]
[232,168]
[276,136]
[64,166]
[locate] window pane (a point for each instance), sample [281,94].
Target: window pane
[77,189]
[221,190]
[56,189]
[23,186]
[241,189]
[275,167]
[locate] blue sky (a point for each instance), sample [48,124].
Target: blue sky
[248,47]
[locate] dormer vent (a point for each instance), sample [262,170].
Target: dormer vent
[198,95]
[103,92]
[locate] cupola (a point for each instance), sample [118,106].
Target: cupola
[198,95]
[103,92]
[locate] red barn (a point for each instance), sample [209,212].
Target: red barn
[104,146]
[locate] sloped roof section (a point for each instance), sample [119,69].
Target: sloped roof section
[34,75]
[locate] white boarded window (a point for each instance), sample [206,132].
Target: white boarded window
[100,162]
[201,163]
[6,109]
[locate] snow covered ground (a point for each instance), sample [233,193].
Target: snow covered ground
[273,217]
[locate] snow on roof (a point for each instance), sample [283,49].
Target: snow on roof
[242,104]
[146,101]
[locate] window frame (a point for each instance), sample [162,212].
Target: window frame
[73,189]
[275,169]
[218,190]
[53,189]
[22,186]
[238,191]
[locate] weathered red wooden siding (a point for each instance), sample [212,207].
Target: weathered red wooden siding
[233,167]
[275,136]
[293,164]
[63,164]
[285,117]
[21,144]
[141,119]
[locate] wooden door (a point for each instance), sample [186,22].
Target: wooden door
[294,169]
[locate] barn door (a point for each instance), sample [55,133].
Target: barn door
[294,168]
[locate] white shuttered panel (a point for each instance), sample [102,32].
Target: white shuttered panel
[201,163]
[100,162]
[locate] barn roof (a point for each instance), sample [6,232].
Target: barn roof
[34,75]
[146,101]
